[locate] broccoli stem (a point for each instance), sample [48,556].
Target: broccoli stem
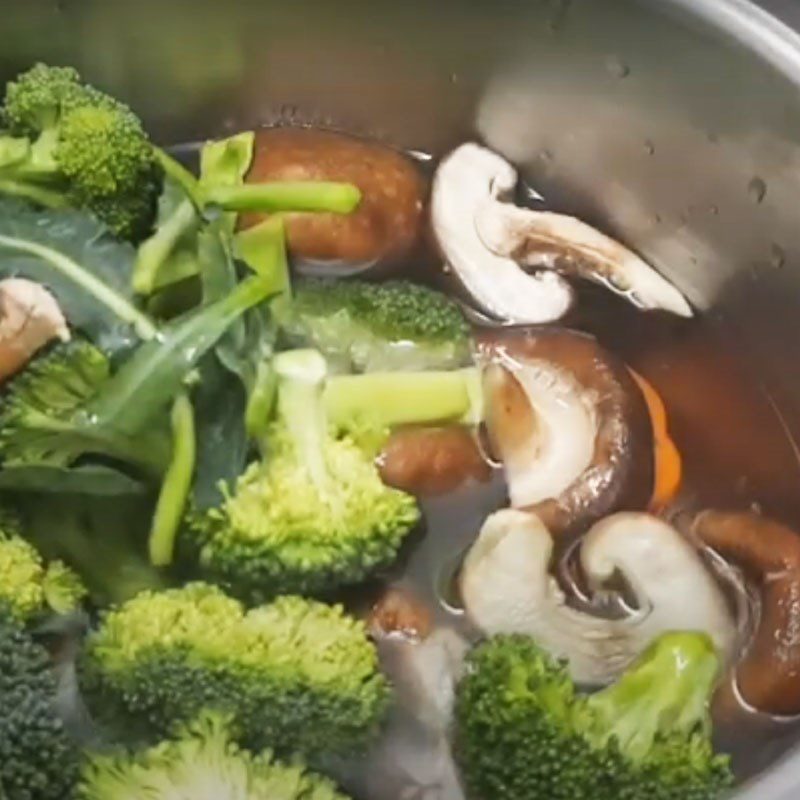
[176,485]
[41,195]
[666,691]
[154,251]
[301,377]
[178,173]
[389,399]
[338,198]
[261,400]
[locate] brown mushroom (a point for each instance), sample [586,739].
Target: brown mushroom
[768,676]
[386,226]
[398,613]
[432,461]
[30,317]
[569,424]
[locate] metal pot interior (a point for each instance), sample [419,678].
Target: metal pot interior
[668,123]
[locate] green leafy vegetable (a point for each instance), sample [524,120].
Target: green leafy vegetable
[103,538]
[89,479]
[148,381]
[86,269]
[219,404]
[45,418]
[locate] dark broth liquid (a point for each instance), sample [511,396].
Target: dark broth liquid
[736,455]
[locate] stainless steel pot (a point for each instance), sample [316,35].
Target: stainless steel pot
[674,124]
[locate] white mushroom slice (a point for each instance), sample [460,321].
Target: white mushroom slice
[461,186]
[506,588]
[570,425]
[30,317]
[563,426]
[489,242]
[545,240]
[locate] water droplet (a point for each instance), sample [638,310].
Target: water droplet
[453,77]
[421,155]
[756,508]
[617,68]
[531,193]
[757,189]
[546,157]
[777,257]
[713,210]
[649,147]
[657,219]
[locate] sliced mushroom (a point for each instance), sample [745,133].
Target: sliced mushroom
[507,588]
[384,229]
[488,241]
[30,317]
[569,424]
[496,284]
[768,676]
[399,614]
[432,461]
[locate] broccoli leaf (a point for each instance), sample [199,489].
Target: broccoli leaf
[88,271]
[219,405]
[89,479]
[147,382]
[102,538]
[170,254]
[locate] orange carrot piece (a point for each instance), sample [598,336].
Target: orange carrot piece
[668,463]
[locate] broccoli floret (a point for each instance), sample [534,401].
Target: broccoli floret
[364,327]
[28,588]
[202,760]
[296,675]
[77,146]
[37,759]
[42,417]
[523,732]
[314,514]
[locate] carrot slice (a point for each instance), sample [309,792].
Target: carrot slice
[668,463]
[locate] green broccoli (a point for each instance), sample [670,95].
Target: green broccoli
[296,675]
[37,759]
[313,515]
[365,327]
[72,145]
[28,588]
[524,733]
[43,418]
[202,760]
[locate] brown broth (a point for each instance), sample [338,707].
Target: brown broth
[736,455]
